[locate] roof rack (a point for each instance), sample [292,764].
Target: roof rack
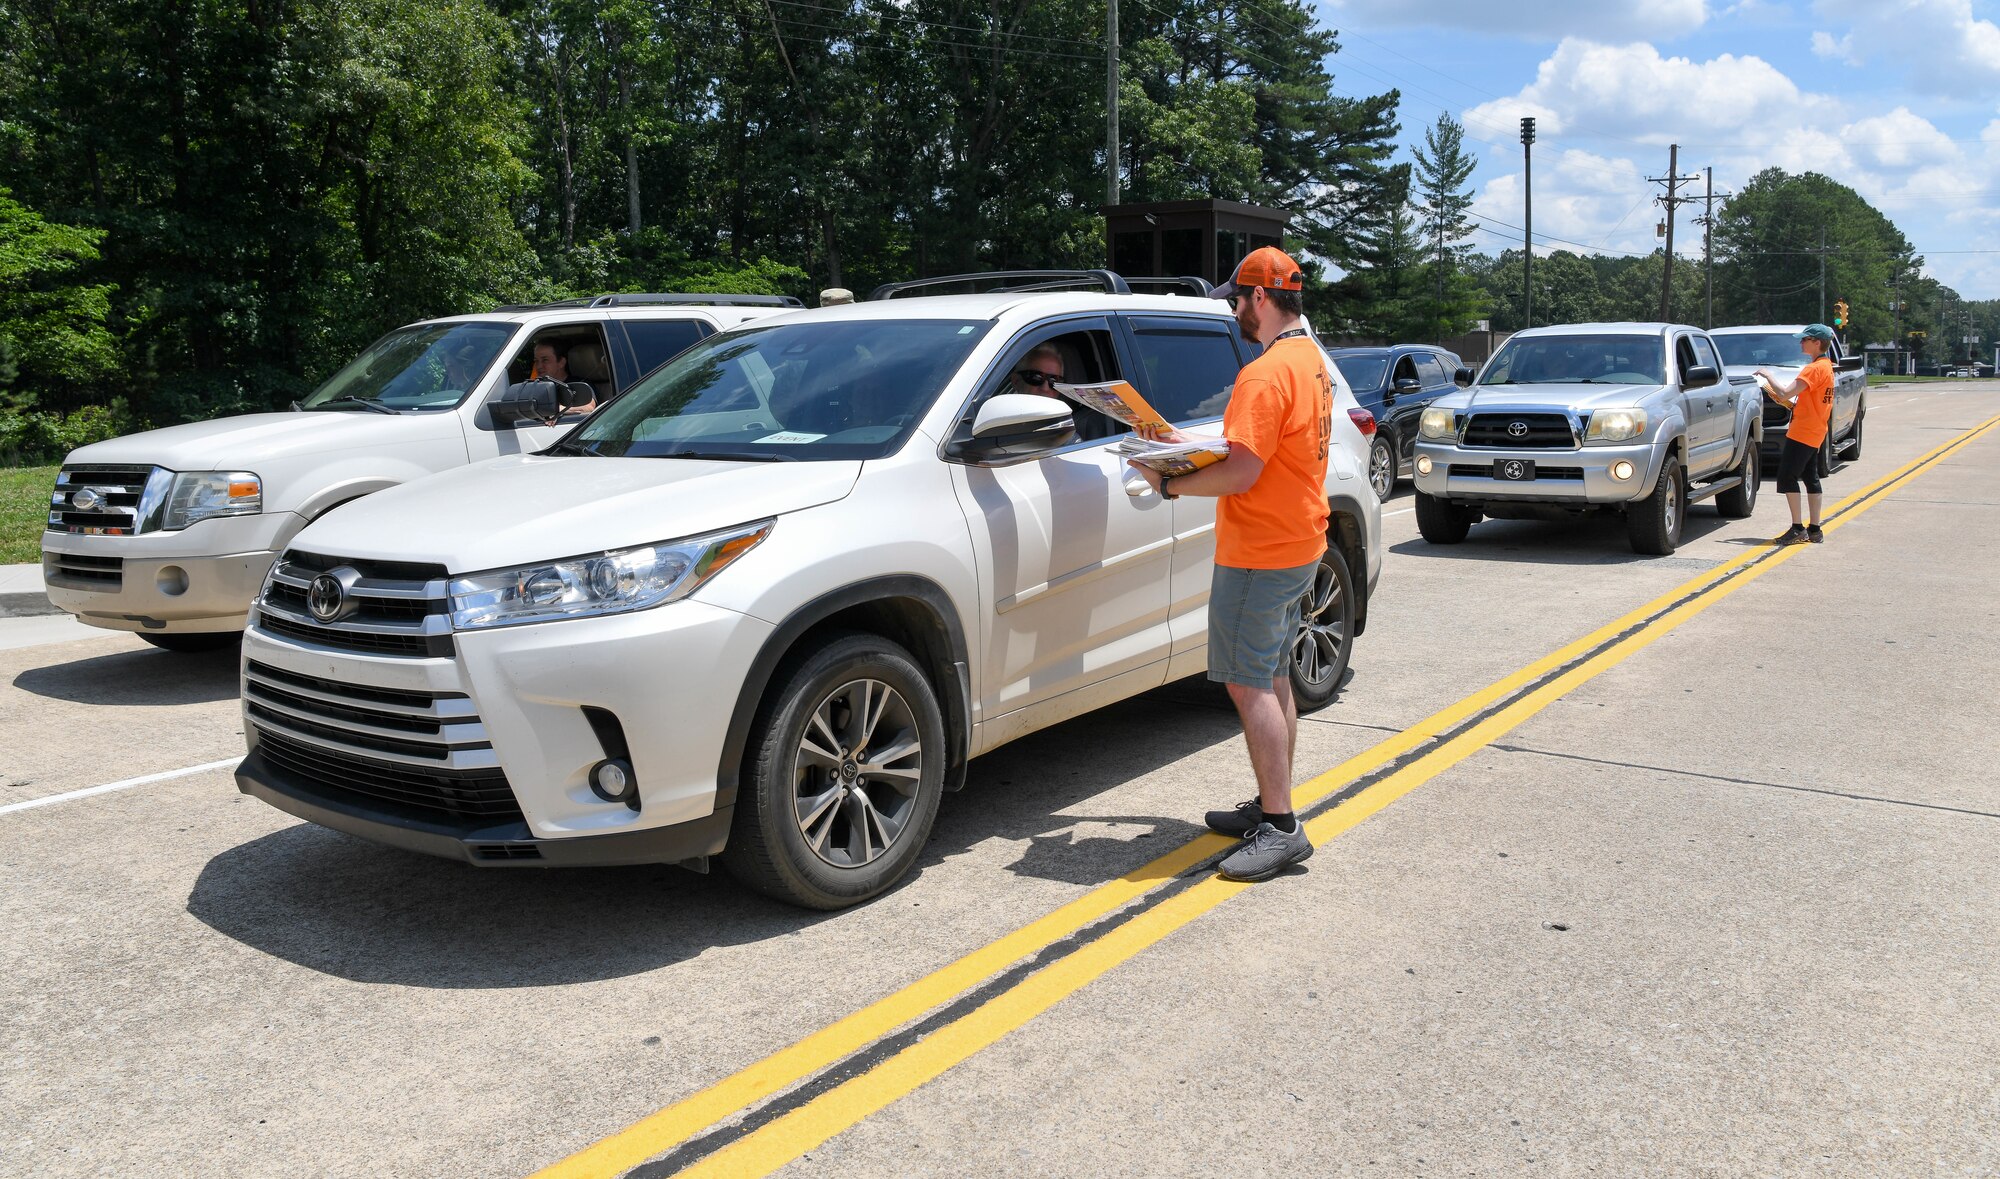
[1199,287]
[1018,280]
[643,300]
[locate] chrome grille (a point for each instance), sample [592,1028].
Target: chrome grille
[398,608]
[1536,431]
[419,754]
[77,571]
[118,500]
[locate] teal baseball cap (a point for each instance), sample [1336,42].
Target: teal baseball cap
[1818,331]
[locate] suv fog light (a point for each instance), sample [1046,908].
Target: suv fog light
[1423,464]
[612,781]
[1621,470]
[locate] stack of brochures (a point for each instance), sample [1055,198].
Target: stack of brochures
[1173,459]
[1120,400]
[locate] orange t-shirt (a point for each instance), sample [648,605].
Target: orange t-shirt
[1814,408]
[1281,411]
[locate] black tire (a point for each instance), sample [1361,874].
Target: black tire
[1325,640]
[1738,502]
[768,845]
[1654,523]
[1442,521]
[1382,467]
[1823,461]
[1853,448]
[194,643]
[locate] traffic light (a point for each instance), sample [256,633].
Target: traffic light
[1840,313]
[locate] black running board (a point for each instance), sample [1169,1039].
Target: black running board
[1697,494]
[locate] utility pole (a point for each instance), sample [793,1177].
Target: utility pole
[1111,103]
[1822,274]
[1527,221]
[1708,249]
[1673,200]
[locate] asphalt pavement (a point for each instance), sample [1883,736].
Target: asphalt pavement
[1668,866]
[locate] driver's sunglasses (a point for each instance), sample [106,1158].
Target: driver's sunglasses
[1036,377]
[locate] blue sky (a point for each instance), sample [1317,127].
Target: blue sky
[1898,99]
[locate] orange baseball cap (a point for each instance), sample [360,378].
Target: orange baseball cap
[1265,266]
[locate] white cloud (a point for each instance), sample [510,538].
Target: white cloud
[1740,115]
[1842,50]
[1604,20]
[1940,44]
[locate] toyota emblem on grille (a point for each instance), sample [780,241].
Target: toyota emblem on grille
[86,499]
[325,596]
[1517,429]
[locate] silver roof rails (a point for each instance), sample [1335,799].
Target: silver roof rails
[1012,280]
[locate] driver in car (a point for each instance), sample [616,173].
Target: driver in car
[1039,371]
[552,364]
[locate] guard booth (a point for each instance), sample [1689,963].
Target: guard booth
[1168,239]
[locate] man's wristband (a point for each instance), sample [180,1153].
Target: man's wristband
[1164,493]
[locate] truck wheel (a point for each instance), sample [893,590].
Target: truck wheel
[1654,523]
[1823,461]
[1325,639]
[1382,468]
[1853,450]
[194,643]
[843,778]
[1738,502]
[1441,521]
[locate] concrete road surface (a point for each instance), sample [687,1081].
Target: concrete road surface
[1678,866]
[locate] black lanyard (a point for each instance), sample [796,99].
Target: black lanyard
[1297,331]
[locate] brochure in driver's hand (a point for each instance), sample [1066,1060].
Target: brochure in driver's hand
[1120,400]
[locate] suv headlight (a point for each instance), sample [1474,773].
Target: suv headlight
[611,583]
[1615,425]
[1436,423]
[201,495]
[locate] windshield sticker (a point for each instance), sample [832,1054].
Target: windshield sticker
[790,436]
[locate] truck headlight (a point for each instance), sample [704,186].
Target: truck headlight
[610,583]
[1436,423]
[201,495]
[1615,425]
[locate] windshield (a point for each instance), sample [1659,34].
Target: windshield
[1362,372]
[1595,360]
[1761,348]
[845,389]
[430,366]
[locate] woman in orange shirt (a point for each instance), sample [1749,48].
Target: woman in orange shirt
[1810,398]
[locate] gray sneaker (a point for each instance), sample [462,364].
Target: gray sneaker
[1237,823]
[1267,852]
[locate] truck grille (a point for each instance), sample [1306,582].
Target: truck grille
[77,571]
[421,755]
[393,608]
[1537,431]
[1542,474]
[1775,414]
[116,500]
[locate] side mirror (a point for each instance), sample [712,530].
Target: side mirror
[1017,426]
[1699,376]
[535,402]
[1407,385]
[1848,364]
[1463,378]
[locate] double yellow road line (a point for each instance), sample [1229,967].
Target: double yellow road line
[838,1076]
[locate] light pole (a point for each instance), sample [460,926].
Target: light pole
[1527,220]
[1111,103]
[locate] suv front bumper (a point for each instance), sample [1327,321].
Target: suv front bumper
[1581,477]
[200,579]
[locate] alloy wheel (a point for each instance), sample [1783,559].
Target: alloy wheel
[1381,471]
[859,766]
[1322,634]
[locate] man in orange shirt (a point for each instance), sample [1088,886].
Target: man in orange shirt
[1811,401]
[1270,530]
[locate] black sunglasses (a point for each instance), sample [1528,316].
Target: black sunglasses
[1241,295]
[1036,377]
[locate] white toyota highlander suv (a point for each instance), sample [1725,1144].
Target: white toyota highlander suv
[772,599]
[168,533]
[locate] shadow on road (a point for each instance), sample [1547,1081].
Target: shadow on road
[1591,540]
[345,907]
[131,678]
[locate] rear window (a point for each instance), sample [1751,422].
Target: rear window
[1189,367]
[656,341]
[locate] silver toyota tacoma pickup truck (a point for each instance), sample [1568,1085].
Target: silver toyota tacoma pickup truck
[1638,418]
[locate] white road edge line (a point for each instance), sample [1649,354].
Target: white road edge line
[108,787]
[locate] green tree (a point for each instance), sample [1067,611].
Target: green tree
[53,337]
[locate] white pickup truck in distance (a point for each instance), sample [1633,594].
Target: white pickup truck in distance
[168,533]
[1776,348]
[1636,418]
[769,603]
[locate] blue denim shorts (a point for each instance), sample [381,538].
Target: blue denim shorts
[1253,619]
